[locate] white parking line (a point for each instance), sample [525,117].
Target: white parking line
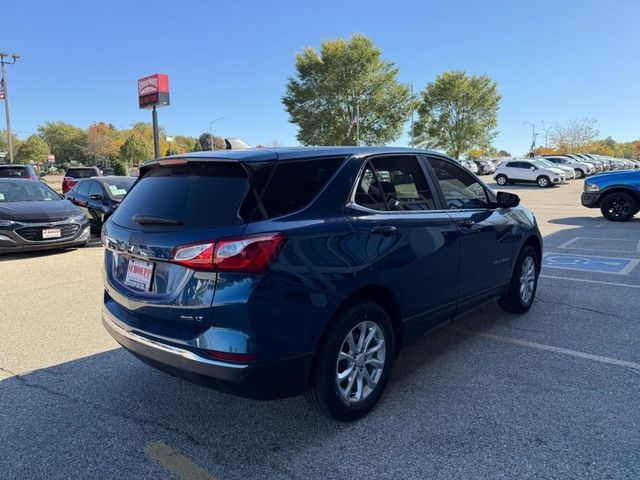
[550,348]
[584,280]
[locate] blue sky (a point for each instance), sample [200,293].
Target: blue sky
[553,60]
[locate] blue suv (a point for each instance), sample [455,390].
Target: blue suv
[270,273]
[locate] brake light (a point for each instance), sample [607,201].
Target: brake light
[250,254]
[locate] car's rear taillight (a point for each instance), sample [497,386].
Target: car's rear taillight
[250,254]
[232,357]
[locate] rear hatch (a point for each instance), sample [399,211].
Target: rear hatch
[174,204]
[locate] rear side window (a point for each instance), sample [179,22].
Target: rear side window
[290,187]
[196,196]
[81,173]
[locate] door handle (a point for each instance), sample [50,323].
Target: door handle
[466,224]
[385,230]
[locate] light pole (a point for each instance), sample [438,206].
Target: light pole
[546,135]
[4,95]
[533,137]
[211,131]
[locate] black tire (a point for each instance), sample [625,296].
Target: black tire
[579,173]
[502,180]
[323,392]
[618,206]
[513,300]
[543,181]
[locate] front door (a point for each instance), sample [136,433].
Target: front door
[487,246]
[411,247]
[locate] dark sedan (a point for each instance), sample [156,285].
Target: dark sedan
[99,197]
[35,217]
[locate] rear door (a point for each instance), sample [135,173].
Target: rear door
[410,245]
[486,241]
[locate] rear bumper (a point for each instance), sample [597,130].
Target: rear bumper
[278,379]
[590,199]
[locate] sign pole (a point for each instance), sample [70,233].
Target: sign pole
[6,110]
[156,137]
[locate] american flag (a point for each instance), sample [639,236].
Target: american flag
[2,89]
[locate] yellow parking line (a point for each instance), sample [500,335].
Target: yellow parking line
[177,463]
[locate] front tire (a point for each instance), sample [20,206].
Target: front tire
[524,283]
[618,206]
[353,363]
[579,173]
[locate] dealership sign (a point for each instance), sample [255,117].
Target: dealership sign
[153,91]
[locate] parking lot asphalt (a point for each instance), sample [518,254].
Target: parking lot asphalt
[549,394]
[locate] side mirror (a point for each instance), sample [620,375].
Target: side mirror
[533,169]
[507,200]
[95,196]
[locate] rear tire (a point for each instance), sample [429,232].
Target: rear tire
[524,283]
[347,381]
[618,206]
[543,181]
[502,180]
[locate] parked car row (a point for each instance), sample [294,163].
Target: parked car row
[33,216]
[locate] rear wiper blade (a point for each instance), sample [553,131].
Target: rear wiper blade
[151,220]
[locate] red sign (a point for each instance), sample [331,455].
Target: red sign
[158,82]
[153,90]
[51,157]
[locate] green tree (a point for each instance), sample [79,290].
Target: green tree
[136,149]
[330,87]
[4,144]
[67,143]
[119,168]
[457,112]
[33,150]
[205,142]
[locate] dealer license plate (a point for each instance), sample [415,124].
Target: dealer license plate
[139,274]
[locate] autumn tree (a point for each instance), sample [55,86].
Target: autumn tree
[346,85]
[33,150]
[205,142]
[101,142]
[574,136]
[457,113]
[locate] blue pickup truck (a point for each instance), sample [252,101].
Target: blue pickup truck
[617,194]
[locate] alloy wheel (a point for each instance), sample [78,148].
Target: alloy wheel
[527,279]
[619,207]
[361,361]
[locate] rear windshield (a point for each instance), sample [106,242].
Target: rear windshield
[13,172]
[81,172]
[25,191]
[195,196]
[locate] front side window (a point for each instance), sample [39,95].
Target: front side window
[461,190]
[83,188]
[394,184]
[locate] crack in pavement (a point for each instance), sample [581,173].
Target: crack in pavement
[80,401]
[577,307]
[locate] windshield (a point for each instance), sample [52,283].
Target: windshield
[25,191]
[118,187]
[543,163]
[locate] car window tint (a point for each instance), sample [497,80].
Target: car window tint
[81,173]
[25,191]
[394,183]
[83,188]
[460,189]
[7,172]
[290,187]
[196,196]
